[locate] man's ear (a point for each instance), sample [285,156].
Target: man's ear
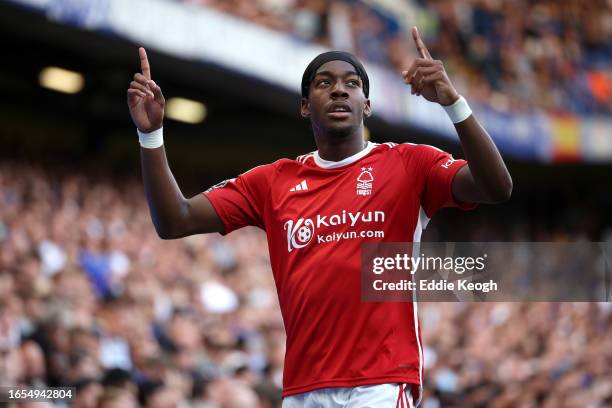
[367,109]
[305,108]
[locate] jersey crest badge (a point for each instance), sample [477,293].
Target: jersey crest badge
[364,182]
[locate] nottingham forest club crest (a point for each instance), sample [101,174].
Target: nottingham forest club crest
[364,182]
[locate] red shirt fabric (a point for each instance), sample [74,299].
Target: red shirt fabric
[316,215]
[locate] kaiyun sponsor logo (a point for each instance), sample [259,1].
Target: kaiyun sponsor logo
[301,232]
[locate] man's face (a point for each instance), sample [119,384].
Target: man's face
[336,100]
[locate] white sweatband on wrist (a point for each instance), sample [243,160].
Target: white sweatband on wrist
[151,140]
[458,111]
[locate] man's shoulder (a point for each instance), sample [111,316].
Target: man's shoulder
[394,149]
[415,157]
[386,145]
[285,163]
[302,159]
[405,146]
[408,148]
[281,165]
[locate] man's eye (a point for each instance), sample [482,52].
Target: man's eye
[323,82]
[353,82]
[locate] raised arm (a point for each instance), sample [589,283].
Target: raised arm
[173,215]
[485,179]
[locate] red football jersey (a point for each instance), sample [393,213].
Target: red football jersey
[316,215]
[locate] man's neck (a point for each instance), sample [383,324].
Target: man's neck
[339,149]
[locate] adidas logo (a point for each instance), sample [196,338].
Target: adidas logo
[300,187]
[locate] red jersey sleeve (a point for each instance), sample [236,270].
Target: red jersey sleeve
[438,169]
[240,202]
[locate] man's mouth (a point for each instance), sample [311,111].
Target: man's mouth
[339,110]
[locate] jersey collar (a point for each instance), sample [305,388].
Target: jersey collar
[327,164]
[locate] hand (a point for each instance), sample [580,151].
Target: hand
[145,98]
[427,76]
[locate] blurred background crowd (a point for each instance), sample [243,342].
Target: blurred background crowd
[91,298]
[515,54]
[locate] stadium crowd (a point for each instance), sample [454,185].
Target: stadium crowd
[513,55]
[91,298]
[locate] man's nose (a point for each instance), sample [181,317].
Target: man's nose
[339,90]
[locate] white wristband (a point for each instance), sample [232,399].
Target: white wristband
[458,111]
[151,140]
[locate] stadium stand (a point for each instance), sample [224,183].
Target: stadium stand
[548,54]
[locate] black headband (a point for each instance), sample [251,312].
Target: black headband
[321,59]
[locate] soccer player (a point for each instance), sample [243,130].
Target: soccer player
[318,209]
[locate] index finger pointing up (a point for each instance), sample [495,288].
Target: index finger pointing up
[144,63]
[420,44]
